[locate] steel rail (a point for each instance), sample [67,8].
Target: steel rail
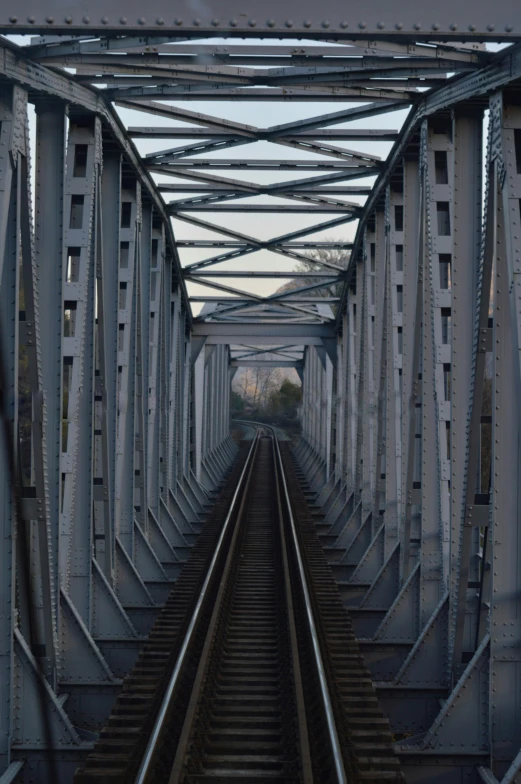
[324,691]
[174,678]
[222,607]
[152,745]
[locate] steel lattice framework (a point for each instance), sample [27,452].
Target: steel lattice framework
[116,397]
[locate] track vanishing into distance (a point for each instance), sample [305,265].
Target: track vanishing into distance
[251,672]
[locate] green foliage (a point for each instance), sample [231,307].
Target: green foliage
[284,401]
[237,404]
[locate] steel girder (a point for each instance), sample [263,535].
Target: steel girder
[389,74]
[127,419]
[296,20]
[96,387]
[422,502]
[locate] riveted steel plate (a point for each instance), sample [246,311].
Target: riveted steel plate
[376,18]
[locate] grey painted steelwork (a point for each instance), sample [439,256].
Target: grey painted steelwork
[118,397]
[296,20]
[94,327]
[417,506]
[173,681]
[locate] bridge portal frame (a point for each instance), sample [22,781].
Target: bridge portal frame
[419,559]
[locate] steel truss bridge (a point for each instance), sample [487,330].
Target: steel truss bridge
[115,397]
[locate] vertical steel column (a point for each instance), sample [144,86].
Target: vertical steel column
[394,345]
[83,162]
[373,403]
[208,413]
[142,277]
[226,387]
[351,417]
[199,384]
[12,118]
[31,457]
[305,396]
[154,391]
[221,410]
[107,291]
[209,409]
[464,265]
[49,182]
[212,412]
[315,399]
[413,266]
[358,403]
[378,498]
[174,390]
[314,402]
[328,412]
[103,499]
[371,370]
[340,404]
[320,361]
[436,149]
[309,395]
[164,359]
[130,224]
[186,402]
[208,402]
[505,606]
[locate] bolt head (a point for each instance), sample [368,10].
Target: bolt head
[326,23]
[399,25]
[104,20]
[13,19]
[233,22]
[141,20]
[216,22]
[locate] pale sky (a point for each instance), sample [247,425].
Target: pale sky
[268,225]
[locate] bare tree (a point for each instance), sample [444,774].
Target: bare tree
[256,385]
[337,256]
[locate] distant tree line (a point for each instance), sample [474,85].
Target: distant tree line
[263,393]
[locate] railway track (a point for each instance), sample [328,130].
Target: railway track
[251,672]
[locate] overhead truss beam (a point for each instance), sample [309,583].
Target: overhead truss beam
[444,20]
